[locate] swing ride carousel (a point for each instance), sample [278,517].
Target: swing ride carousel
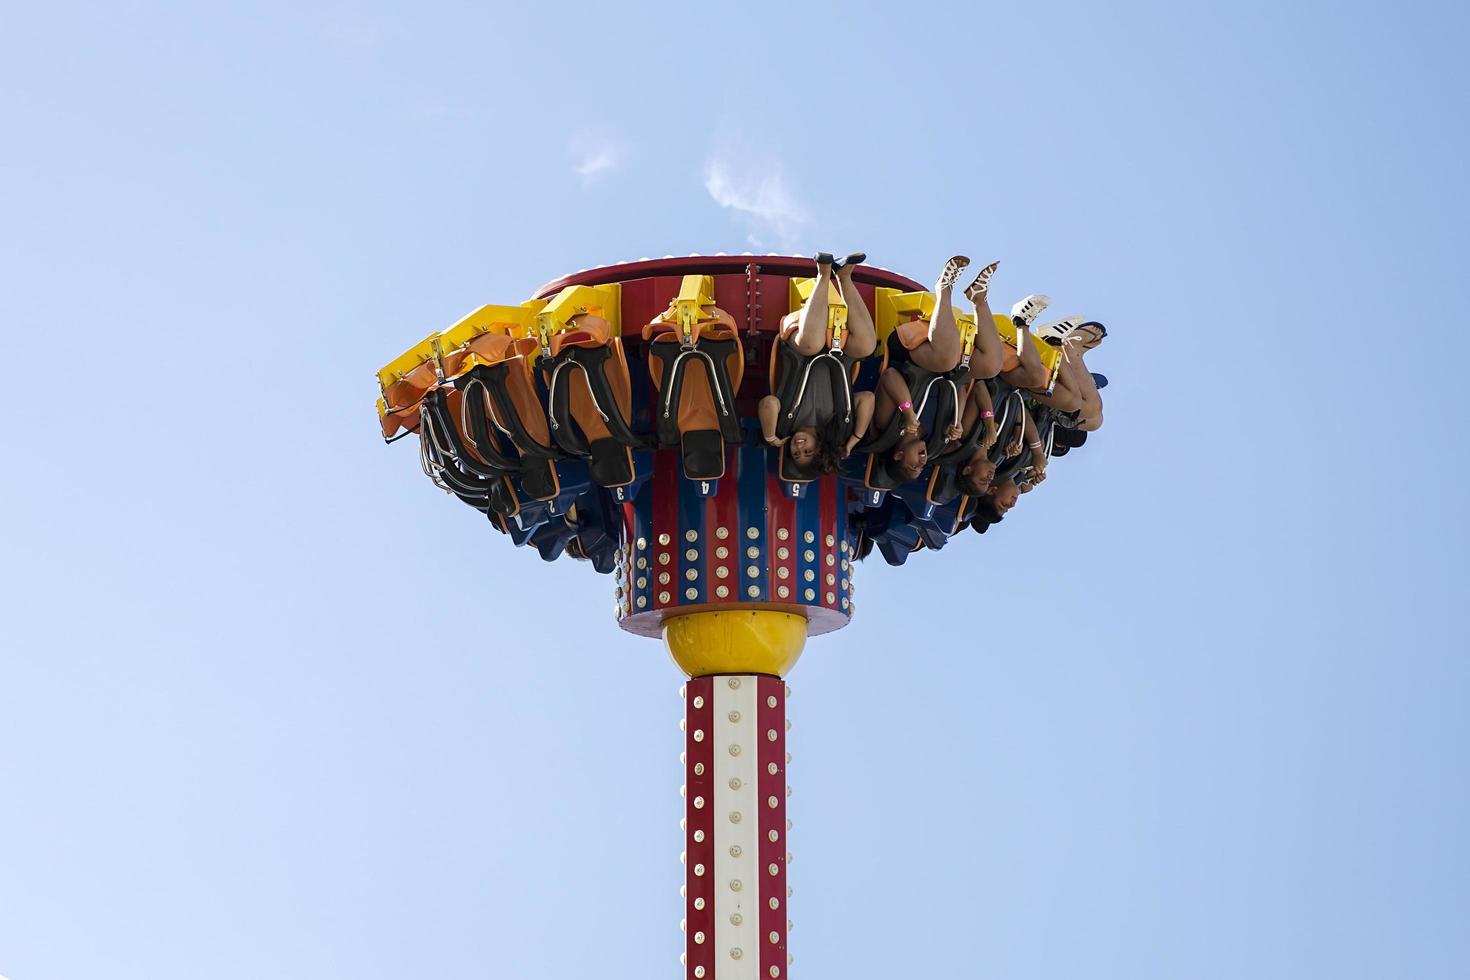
[613,419]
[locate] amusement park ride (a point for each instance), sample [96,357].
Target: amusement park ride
[613,419]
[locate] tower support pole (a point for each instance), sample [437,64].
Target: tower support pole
[735,792]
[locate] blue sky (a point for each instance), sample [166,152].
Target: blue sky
[272,706]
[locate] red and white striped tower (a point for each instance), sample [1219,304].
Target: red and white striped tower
[735,826]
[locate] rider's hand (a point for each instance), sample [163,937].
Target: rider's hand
[953,433]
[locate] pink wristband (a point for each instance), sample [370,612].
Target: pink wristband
[987,415]
[905,406]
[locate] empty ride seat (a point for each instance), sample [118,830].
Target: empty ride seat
[590,395]
[403,384]
[905,523]
[458,469]
[892,530]
[480,447]
[696,408]
[551,539]
[499,382]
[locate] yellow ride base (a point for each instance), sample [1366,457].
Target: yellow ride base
[758,641]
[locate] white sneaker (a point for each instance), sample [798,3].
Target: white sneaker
[1025,312]
[1056,333]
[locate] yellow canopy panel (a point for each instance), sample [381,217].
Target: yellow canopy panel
[514,320]
[404,363]
[606,302]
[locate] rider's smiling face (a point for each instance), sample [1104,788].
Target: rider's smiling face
[803,447]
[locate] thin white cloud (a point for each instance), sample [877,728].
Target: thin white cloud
[594,154]
[761,199]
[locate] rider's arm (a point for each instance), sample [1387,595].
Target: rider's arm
[862,414]
[893,391]
[769,411]
[980,402]
[1032,436]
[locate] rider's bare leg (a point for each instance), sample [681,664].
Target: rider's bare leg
[989,354]
[862,335]
[941,352]
[810,335]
